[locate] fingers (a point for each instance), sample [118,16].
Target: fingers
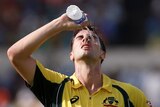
[71,25]
[84,24]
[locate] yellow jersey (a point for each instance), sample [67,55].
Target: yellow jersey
[54,89]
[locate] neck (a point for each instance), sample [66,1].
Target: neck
[89,75]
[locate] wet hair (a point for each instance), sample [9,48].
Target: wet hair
[94,30]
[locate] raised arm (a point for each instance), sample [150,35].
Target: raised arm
[20,53]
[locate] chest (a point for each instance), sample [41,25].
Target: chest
[80,97]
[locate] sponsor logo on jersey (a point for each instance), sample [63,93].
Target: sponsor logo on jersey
[110,102]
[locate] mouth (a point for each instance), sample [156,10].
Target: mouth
[86,46]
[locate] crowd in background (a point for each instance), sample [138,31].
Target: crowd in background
[123,23]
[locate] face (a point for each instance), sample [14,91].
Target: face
[86,46]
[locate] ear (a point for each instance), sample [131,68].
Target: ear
[103,55]
[71,56]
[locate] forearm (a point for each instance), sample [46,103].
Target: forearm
[27,45]
[20,53]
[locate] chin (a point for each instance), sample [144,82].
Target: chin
[85,54]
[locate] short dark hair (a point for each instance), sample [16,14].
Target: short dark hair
[96,31]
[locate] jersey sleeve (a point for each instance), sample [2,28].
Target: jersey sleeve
[45,85]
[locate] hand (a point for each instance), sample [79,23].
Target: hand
[69,24]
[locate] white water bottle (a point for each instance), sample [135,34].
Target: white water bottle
[74,13]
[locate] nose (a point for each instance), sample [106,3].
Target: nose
[87,38]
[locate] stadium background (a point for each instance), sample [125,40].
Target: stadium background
[131,29]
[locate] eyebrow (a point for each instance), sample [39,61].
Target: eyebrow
[78,35]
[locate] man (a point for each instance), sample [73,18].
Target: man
[88,86]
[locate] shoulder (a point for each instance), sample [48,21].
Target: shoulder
[135,94]
[49,74]
[129,88]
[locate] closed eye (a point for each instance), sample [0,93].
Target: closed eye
[95,37]
[79,37]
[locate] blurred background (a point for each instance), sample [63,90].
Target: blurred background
[130,28]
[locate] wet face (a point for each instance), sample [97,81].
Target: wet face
[86,46]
